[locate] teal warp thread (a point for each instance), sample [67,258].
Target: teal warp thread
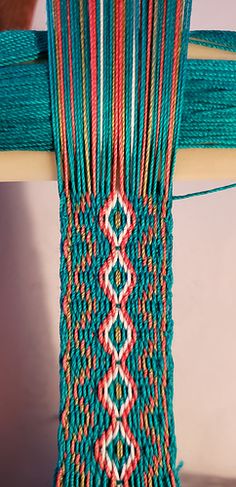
[208,120]
[209,108]
[25,112]
[22,46]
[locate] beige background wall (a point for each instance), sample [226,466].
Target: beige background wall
[204,312]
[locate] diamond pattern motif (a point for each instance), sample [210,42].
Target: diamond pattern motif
[118,276]
[118,335]
[120,451]
[117,450]
[117,218]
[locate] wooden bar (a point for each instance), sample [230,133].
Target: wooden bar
[191,164]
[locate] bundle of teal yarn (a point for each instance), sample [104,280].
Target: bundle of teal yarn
[209,107]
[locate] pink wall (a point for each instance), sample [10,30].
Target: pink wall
[206,14]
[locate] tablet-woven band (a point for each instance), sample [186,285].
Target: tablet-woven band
[117,70]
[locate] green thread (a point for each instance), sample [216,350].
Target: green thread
[209,105]
[204,192]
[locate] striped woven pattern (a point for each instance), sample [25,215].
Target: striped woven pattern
[209,105]
[117,72]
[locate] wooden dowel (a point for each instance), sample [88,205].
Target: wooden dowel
[201,52]
[191,164]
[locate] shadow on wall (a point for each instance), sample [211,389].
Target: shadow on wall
[28,360]
[205,481]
